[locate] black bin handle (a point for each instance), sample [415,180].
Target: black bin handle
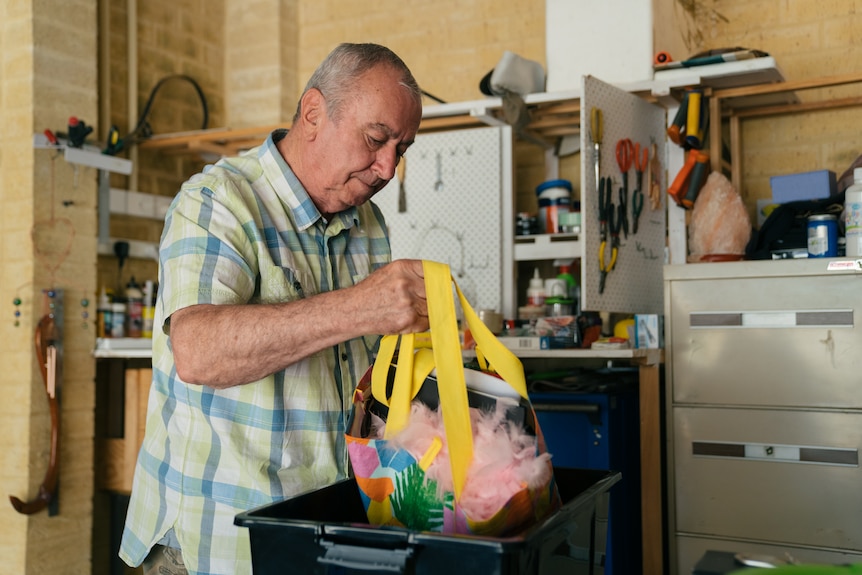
[365,558]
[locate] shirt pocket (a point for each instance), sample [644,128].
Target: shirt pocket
[281,284]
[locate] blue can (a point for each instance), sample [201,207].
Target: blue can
[822,236]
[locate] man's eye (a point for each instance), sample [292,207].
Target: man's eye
[375,142]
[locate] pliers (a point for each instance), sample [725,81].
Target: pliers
[610,222]
[641,161]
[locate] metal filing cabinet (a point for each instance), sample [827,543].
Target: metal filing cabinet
[764,410]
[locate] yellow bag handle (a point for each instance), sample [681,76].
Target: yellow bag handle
[445,353]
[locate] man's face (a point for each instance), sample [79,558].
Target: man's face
[355,154]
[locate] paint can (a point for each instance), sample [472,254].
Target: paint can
[822,236]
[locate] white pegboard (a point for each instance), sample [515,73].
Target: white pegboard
[635,284]
[457,186]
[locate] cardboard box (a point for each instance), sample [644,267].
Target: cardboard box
[804,186]
[562,331]
[649,331]
[525,342]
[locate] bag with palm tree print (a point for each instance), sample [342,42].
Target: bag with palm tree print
[437,447]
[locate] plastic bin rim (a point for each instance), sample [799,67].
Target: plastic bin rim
[250,519]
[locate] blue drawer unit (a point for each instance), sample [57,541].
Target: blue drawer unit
[596,427]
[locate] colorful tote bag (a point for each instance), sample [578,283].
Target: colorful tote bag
[460,450]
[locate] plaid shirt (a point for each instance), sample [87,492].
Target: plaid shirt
[245,231]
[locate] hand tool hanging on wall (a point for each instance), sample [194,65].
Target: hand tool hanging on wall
[78,132]
[641,157]
[625,153]
[690,179]
[689,129]
[691,120]
[49,355]
[113,145]
[608,224]
[596,129]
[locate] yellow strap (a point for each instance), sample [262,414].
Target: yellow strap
[402,389]
[431,453]
[414,365]
[450,371]
[409,377]
[500,358]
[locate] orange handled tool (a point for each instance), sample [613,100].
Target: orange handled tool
[680,190]
[696,180]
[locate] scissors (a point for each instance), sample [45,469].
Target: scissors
[607,224]
[641,160]
[625,152]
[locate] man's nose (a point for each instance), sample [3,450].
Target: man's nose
[387,160]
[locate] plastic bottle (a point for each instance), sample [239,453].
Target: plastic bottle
[135,311]
[536,291]
[572,290]
[104,314]
[118,318]
[149,310]
[853,215]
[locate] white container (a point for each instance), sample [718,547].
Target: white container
[118,319]
[554,197]
[853,215]
[536,291]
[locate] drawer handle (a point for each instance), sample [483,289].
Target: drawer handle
[773,452]
[772,319]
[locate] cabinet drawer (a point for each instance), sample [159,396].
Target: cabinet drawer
[775,476]
[767,341]
[691,549]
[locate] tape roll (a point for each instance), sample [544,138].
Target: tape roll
[663,58]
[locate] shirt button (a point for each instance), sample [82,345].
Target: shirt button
[343,357]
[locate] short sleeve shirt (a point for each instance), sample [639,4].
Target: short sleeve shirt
[245,231]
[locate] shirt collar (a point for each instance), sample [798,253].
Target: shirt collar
[291,191]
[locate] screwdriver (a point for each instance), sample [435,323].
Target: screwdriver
[596,135]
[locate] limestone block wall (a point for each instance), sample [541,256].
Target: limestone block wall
[47,73]
[808,40]
[252,59]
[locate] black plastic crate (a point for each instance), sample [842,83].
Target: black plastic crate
[326,532]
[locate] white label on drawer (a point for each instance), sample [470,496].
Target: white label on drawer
[769,319]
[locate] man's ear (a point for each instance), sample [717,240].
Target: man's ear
[312,110]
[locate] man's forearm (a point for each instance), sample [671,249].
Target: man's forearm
[226,345]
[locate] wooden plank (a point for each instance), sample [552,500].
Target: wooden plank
[652,521]
[130,426]
[798,108]
[788,86]
[736,154]
[112,473]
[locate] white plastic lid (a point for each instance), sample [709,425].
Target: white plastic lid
[857,175]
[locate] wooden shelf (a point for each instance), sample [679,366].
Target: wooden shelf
[735,104]
[553,115]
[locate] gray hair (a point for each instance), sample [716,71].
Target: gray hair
[335,75]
